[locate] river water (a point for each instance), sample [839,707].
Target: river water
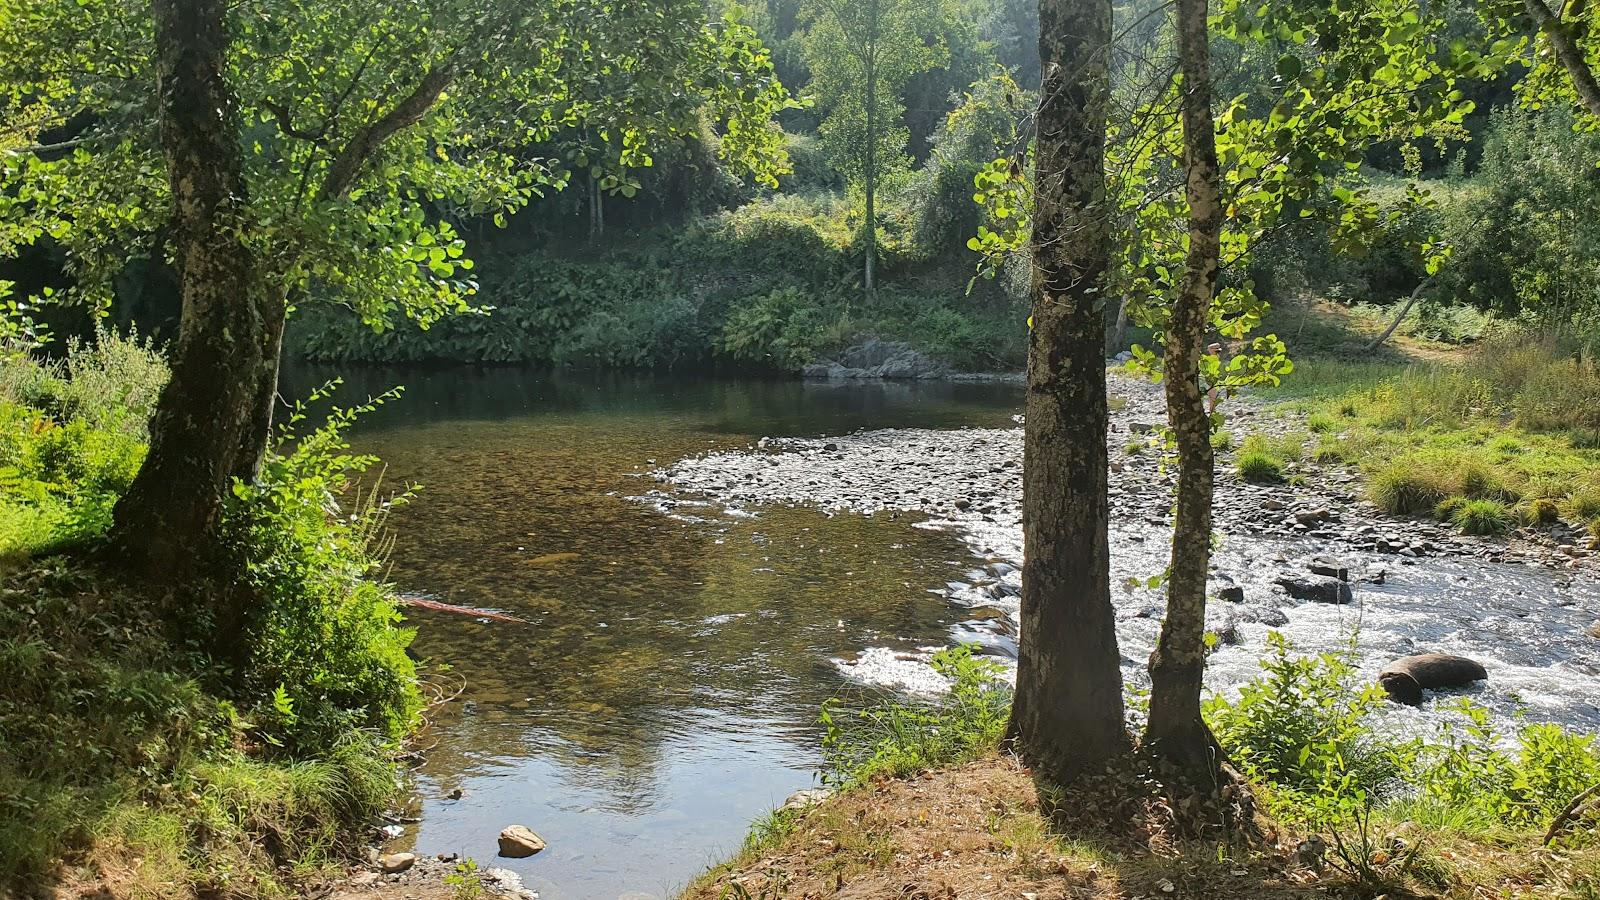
[665,693]
[693,596]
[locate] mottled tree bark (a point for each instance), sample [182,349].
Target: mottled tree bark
[212,421]
[1067,719]
[1566,48]
[1176,731]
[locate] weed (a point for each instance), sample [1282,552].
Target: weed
[1482,517]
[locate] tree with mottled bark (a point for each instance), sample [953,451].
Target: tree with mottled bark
[286,150]
[1176,731]
[1067,718]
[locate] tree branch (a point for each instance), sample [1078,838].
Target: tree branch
[349,162]
[1568,51]
[287,126]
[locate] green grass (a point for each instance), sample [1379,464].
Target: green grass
[1505,423]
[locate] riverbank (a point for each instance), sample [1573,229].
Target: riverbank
[975,830]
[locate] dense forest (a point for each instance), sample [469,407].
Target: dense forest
[1304,295]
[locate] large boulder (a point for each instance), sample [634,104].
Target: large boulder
[876,358]
[1317,589]
[1405,679]
[519,841]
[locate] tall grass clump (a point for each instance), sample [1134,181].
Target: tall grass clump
[897,737]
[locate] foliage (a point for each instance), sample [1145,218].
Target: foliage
[899,737]
[362,124]
[325,657]
[111,749]
[71,437]
[1304,728]
[1259,466]
[718,293]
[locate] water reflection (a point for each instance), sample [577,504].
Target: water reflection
[664,691]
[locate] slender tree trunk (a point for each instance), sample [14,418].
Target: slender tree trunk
[1067,718]
[1400,316]
[870,171]
[1119,334]
[1568,52]
[214,417]
[1176,731]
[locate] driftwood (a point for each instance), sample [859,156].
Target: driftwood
[425,603]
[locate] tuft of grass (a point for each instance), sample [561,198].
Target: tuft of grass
[1482,517]
[1134,448]
[1259,467]
[1539,511]
[1222,440]
[1404,487]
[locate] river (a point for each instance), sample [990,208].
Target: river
[693,596]
[665,693]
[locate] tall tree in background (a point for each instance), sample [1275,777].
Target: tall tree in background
[862,53]
[1067,718]
[1176,731]
[287,149]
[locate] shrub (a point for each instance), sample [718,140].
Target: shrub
[1583,504]
[1304,728]
[325,654]
[781,330]
[1481,517]
[898,737]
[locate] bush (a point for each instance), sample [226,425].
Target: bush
[781,330]
[1303,727]
[325,654]
[1541,511]
[899,737]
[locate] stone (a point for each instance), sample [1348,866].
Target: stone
[519,841]
[1329,568]
[1317,589]
[362,879]
[1405,678]
[395,863]
[1233,593]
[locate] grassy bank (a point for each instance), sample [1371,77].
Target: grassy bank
[928,806]
[136,756]
[1501,434]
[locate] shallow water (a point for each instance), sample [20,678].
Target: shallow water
[665,691]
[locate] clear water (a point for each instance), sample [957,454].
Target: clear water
[665,691]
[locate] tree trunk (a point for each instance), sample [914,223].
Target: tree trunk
[1119,334]
[1568,52]
[1399,317]
[214,417]
[870,170]
[1176,731]
[1067,718]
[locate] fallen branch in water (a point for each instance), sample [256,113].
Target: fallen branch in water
[425,603]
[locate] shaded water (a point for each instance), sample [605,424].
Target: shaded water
[665,692]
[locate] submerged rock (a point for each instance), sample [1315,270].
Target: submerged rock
[519,841]
[1404,679]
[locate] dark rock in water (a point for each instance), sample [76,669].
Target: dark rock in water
[1406,678]
[1330,568]
[1232,593]
[1270,616]
[1317,589]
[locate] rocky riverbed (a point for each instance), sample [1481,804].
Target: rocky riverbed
[1523,606]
